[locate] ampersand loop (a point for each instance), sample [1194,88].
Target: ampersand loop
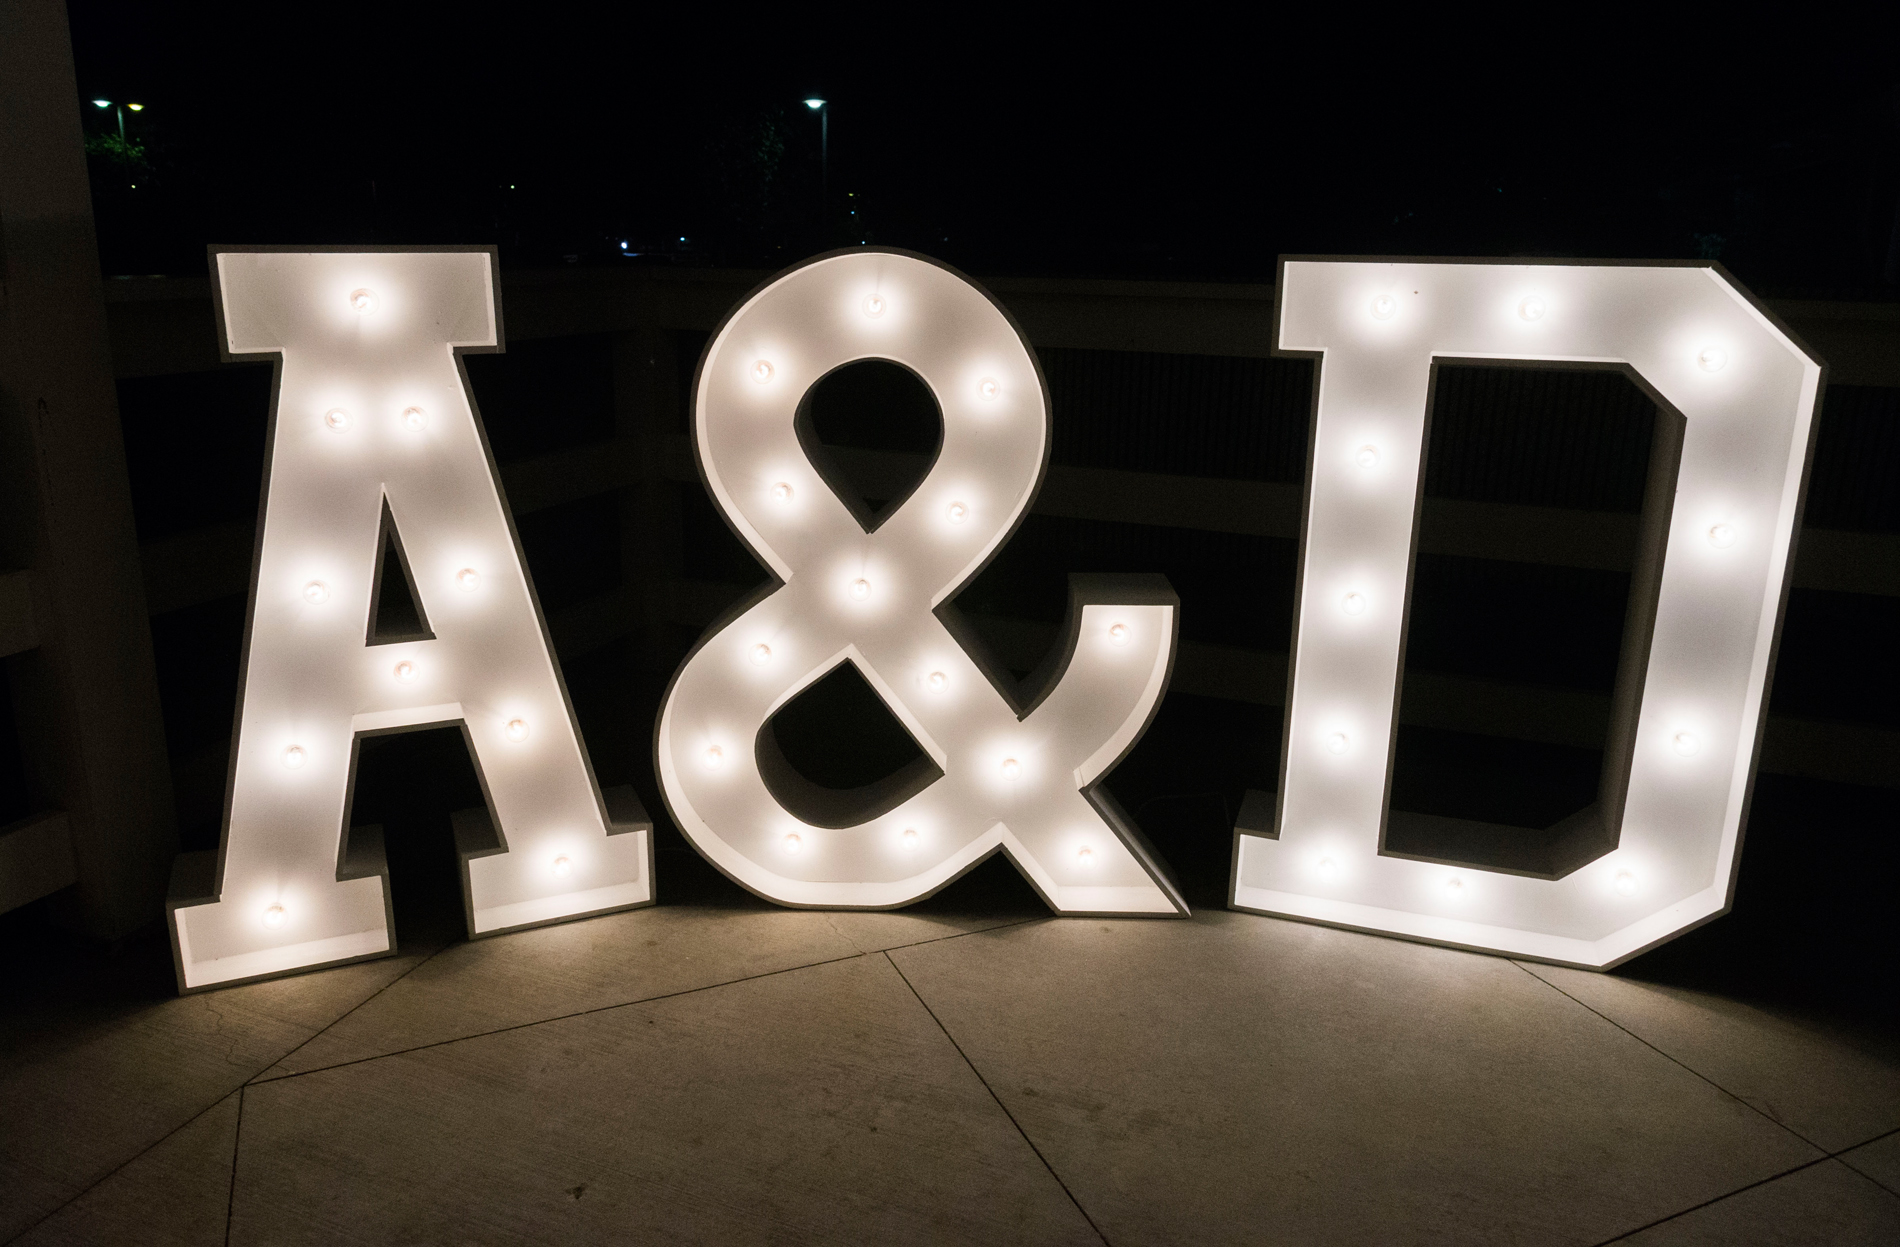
[995,775]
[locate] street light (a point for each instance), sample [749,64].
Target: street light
[821,106]
[137,108]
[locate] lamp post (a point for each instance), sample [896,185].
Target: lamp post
[823,108]
[137,108]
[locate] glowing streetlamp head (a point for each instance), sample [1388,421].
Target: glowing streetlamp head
[814,103]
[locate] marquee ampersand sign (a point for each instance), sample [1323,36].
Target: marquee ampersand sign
[1657,854]
[995,774]
[375,453]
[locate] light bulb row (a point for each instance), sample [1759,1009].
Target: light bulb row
[338,419]
[956,512]
[1531,309]
[1624,884]
[316,592]
[294,756]
[1686,744]
[276,914]
[763,371]
[761,653]
[714,759]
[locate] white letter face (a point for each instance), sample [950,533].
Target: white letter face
[1018,783]
[1745,395]
[371,412]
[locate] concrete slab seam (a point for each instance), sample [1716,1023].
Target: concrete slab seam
[259,1076]
[559,1017]
[999,1100]
[107,1176]
[260,1079]
[1842,1157]
[1740,1190]
[237,1139]
[1683,1065]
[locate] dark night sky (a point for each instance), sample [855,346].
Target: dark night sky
[1182,144]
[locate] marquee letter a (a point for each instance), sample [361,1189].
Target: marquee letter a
[374,444]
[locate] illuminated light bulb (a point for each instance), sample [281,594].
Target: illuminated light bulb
[1721,536]
[1384,306]
[874,305]
[337,418]
[860,589]
[1327,868]
[1012,769]
[988,389]
[715,758]
[316,593]
[562,866]
[362,301]
[517,730]
[1711,359]
[467,579]
[413,419]
[406,671]
[1531,309]
[1085,855]
[1353,604]
[1118,634]
[1687,744]
[761,654]
[1336,743]
[294,757]
[937,681]
[1455,886]
[958,513]
[793,842]
[1625,884]
[1366,456]
[911,838]
[274,916]
[762,371]
[781,492]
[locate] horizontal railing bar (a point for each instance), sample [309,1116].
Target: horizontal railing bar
[204,564]
[163,325]
[1848,753]
[1847,562]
